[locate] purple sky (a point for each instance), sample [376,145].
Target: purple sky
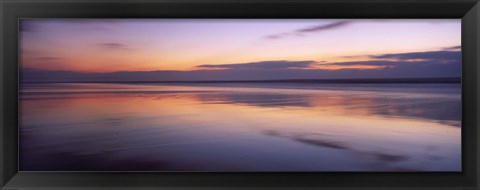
[205,49]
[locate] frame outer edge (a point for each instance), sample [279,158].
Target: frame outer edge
[476,11]
[6,173]
[4,179]
[477,6]
[2,164]
[472,20]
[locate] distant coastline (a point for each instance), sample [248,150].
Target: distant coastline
[319,81]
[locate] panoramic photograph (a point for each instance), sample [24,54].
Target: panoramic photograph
[240,95]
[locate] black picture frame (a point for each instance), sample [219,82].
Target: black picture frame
[12,10]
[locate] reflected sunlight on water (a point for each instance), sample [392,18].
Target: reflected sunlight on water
[255,127]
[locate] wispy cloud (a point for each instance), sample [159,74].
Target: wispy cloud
[453,48]
[409,60]
[115,46]
[282,64]
[441,56]
[49,58]
[313,29]
[429,64]
[448,53]
[324,27]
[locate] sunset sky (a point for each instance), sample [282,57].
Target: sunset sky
[319,48]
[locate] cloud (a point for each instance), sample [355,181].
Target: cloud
[440,56]
[429,64]
[49,58]
[115,46]
[282,64]
[412,62]
[324,27]
[384,63]
[458,48]
[313,29]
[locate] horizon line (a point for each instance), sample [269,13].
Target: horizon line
[344,80]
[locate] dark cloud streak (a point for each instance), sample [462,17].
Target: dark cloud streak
[453,48]
[442,56]
[282,64]
[404,65]
[313,29]
[324,27]
[413,62]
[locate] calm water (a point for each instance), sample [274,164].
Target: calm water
[240,127]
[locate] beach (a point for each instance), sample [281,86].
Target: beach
[240,127]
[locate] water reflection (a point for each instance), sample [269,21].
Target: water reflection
[141,127]
[359,103]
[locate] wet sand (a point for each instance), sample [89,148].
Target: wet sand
[240,127]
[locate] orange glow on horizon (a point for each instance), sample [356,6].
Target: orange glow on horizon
[182,45]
